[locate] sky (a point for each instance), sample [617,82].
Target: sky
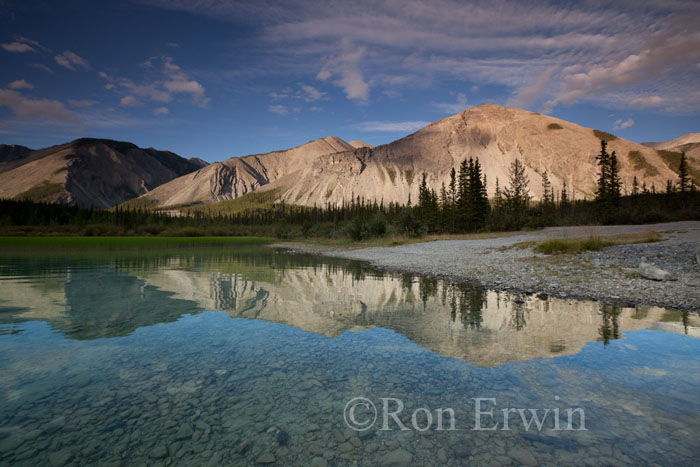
[215,79]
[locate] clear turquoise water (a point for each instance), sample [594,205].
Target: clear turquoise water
[245,356]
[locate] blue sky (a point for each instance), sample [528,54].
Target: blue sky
[215,79]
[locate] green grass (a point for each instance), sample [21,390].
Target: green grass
[555,126]
[673,161]
[592,243]
[122,243]
[45,191]
[392,174]
[255,200]
[605,136]
[558,246]
[640,163]
[408,173]
[139,203]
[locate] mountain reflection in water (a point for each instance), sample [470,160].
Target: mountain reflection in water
[109,296]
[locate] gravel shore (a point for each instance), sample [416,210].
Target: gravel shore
[608,275]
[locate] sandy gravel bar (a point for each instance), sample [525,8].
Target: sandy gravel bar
[609,275]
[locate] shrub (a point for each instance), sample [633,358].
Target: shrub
[377,226]
[640,162]
[556,246]
[605,136]
[357,229]
[411,225]
[555,126]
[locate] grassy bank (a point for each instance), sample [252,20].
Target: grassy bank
[593,243]
[123,243]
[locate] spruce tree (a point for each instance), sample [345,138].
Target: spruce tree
[614,183]
[603,160]
[547,193]
[564,196]
[462,211]
[517,195]
[685,182]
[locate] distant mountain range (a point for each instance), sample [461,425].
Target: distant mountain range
[88,172]
[105,173]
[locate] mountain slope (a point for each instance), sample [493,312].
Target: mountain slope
[671,152]
[331,170]
[10,152]
[680,141]
[496,135]
[238,175]
[90,172]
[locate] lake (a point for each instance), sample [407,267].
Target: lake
[246,356]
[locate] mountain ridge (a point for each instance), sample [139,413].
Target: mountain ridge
[495,134]
[103,173]
[90,172]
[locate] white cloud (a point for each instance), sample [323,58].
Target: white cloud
[311,94]
[18,47]
[453,107]
[179,82]
[526,96]
[620,125]
[595,48]
[160,111]
[150,91]
[81,103]
[130,101]
[643,102]
[278,109]
[43,109]
[390,127]
[42,67]
[305,92]
[70,60]
[323,75]
[347,67]
[20,84]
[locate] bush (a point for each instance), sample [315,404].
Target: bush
[605,136]
[555,126]
[556,246]
[357,229]
[378,226]
[411,225]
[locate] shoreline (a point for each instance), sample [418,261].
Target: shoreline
[609,275]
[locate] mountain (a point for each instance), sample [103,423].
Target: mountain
[359,144]
[672,150]
[90,172]
[690,138]
[321,171]
[484,328]
[239,175]
[10,152]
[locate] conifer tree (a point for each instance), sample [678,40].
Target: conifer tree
[564,196]
[547,193]
[462,211]
[517,195]
[685,182]
[603,160]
